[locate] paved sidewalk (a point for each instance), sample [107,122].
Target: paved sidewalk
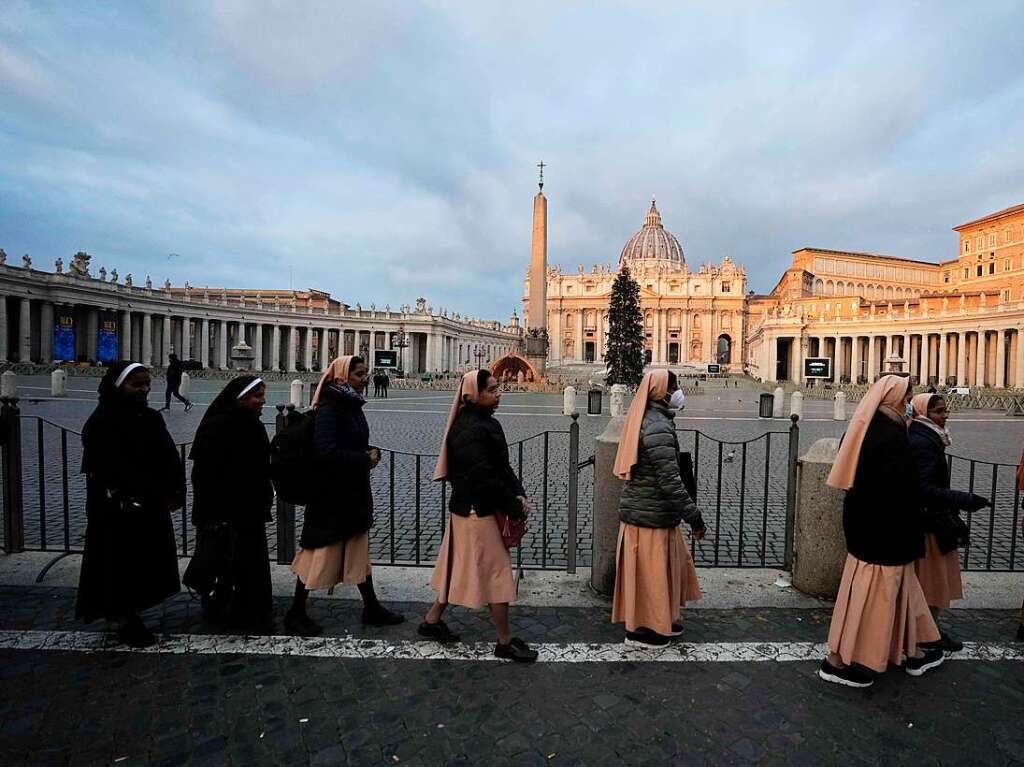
[91,706]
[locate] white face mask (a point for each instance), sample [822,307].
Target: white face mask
[677,400]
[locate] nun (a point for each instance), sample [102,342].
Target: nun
[654,571]
[232,496]
[335,542]
[939,569]
[474,568]
[134,480]
[881,615]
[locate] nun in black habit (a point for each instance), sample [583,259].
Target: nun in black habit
[134,480]
[232,496]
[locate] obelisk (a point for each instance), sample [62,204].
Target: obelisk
[537,306]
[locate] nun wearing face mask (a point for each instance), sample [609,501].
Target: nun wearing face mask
[654,572]
[134,480]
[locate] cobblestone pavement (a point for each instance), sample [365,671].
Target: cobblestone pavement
[741,468]
[167,709]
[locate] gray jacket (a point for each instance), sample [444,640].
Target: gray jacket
[655,496]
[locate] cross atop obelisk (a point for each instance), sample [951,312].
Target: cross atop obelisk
[541,165]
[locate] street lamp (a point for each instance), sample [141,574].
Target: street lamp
[400,341]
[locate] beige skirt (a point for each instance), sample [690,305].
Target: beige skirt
[654,577]
[347,561]
[939,574]
[880,615]
[474,569]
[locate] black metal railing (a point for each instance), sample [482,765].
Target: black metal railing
[995,530]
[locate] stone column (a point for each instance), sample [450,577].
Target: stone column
[854,358]
[25,331]
[3,329]
[607,490]
[222,345]
[872,360]
[924,368]
[325,348]
[275,348]
[961,359]
[165,351]
[943,371]
[980,359]
[204,342]
[186,339]
[579,336]
[293,344]
[837,358]
[1018,361]
[257,347]
[46,332]
[307,352]
[771,373]
[1000,359]
[147,339]
[818,542]
[124,341]
[906,351]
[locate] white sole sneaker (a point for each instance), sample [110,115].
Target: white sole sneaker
[672,633]
[922,670]
[645,645]
[839,680]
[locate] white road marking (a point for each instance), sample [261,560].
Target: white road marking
[381,649]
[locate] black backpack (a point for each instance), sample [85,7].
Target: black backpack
[292,459]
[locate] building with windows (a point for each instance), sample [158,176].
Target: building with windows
[690,317]
[77,315]
[956,322]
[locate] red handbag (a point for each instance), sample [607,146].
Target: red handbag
[512,530]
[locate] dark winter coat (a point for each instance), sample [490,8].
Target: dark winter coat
[882,511]
[134,479]
[231,471]
[478,467]
[654,496]
[174,371]
[941,504]
[343,501]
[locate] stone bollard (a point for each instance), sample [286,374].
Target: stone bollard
[58,383]
[780,402]
[607,490]
[186,385]
[569,400]
[9,384]
[819,547]
[295,394]
[839,407]
[796,404]
[617,402]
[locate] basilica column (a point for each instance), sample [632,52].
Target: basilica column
[855,359]
[961,359]
[308,351]
[943,371]
[981,359]
[25,331]
[257,347]
[579,336]
[147,339]
[3,329]
[186,339]
[771,374]
[1000,359]
[872,359]
[222,345]
[165,328]
[293,343]
[275,348]
[325,348]
[1018,360]
[204,342]
[923,370]
[45,332]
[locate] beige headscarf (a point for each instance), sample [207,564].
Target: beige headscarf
[653,387]
[887,393]
[920,405]
[467,388]
[337,371]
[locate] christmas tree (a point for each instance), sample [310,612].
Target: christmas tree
[624,355]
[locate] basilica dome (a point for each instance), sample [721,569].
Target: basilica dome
[654,241]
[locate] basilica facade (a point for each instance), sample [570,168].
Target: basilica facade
[690,317]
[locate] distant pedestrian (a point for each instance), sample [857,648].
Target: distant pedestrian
[939,570]
[881,615]
[654,572]
[336,531]
[134,480]
[231,507]
[474,568]
[174,371]
[376,385]
[385,382]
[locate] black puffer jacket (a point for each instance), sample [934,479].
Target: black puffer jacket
[343,504]
[482,478]
[655,496]
[882,512]
[941,504]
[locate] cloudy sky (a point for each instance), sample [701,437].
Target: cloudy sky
[387,150]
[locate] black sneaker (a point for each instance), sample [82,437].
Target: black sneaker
[381,616]
[932,658]
[439,632]
[677,630]
[848,676]
[302,625]
[189,406]
[135,634]
[645,638]
[516,650]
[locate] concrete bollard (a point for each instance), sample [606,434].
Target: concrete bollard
[839,407]
[295,394]
[617,402]
[779,404]
[819,546]
[58,383]
[569,400]
[9,384]
[607,490]
[186,385]
[796,404]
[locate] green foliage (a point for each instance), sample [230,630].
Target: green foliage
[624,354]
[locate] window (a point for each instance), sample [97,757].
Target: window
[967,272]
[967,246]
[981,269]
[1006,264]
[726,287]
[568,288]
[991,240]
[979,242]
[945,276]
[992,268]
[1009,236]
